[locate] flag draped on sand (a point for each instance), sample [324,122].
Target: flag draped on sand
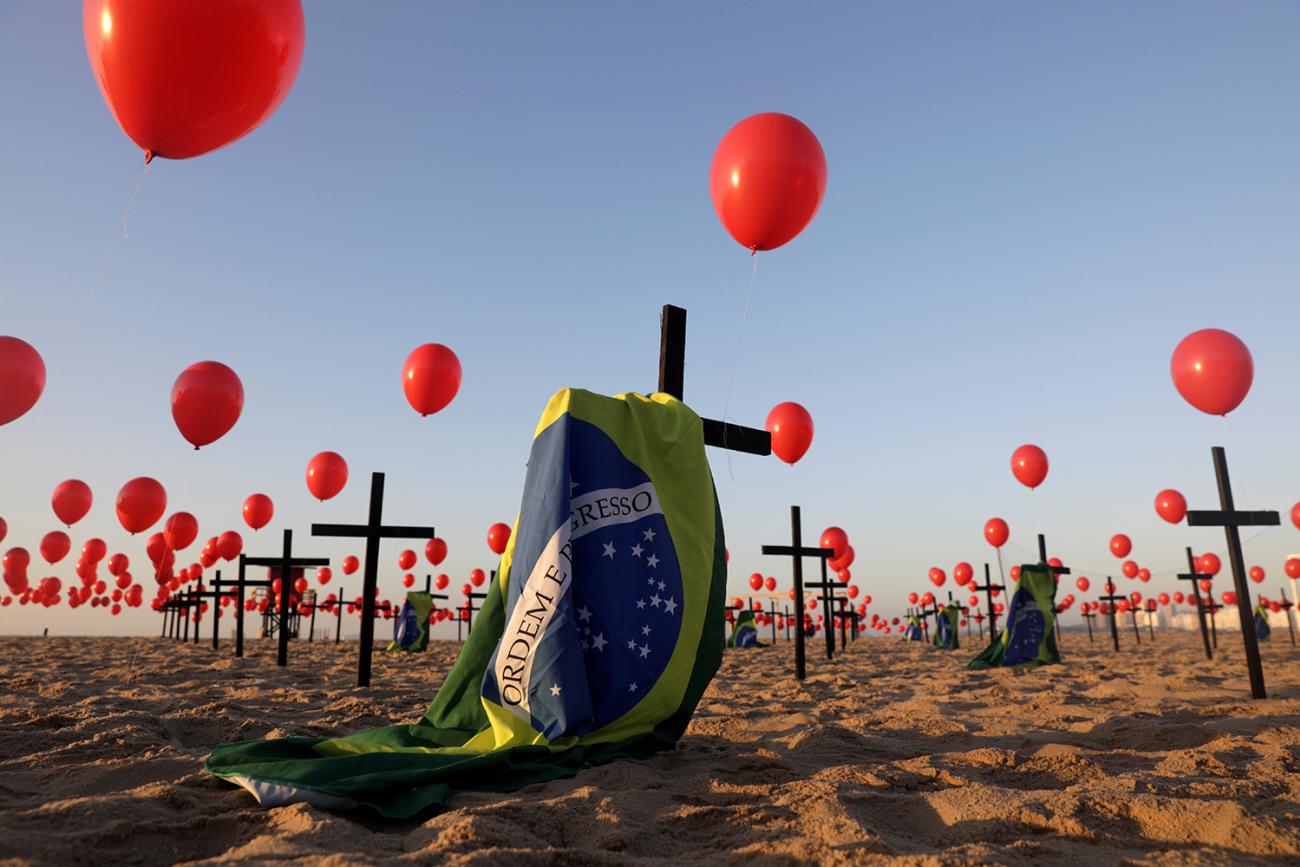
[1262,630]
[597,639]
[945,628]
[743,633]
[411,630]
[913,630]
[1029,638]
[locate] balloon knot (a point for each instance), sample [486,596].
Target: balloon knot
[753,249]
[148,157]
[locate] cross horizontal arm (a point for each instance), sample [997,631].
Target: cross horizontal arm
[279,561]
[1232,519]
[788,551]
[736,438]
[1196,576]
[363,531]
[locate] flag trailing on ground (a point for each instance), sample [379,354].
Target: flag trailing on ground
[913,630]
[945,628]
[1262,630]
[1029,638]
[743,632]
[600,633]
[411,629]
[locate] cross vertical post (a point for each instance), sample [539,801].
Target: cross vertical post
[796,551]
[286,563]
[1287,605]
[1196,577]
[988,587]
[1112,599]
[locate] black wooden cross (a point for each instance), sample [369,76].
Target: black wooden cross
[286,563]
[1231,521]
[1042,555]
[672,377]
[1287,605]
[828,599]
[979,621]
[1214,608]
[372,531]
[988,587]
[1151,630]
[796,551]
[1196,578]
[1087,619]
[1133,609]
[197,596]
[1112,598]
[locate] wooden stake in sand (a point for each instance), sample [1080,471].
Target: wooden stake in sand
[1287,605]
[1112,599]
[828,599]
[989,587]
[373,531]
[1087,619]
[796,551]
[1196,578]
[286,563]
[1231,521]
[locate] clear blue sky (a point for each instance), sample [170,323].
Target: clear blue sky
[1028,206]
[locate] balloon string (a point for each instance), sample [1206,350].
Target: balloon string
[120,235]
[735,361]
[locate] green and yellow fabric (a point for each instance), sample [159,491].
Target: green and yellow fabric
[945,627]
[411,629]
[600,633]
[1029,638]
[743,631]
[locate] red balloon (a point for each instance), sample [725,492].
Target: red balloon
[961,573]
[55,546]
[258,510]
[1178,597]
[408,580]
[323,575]
[22,378]
[756,581]
[327,473]
[406,559]
[1257,574]
[207,399]
[183,79]
[844,576]
[912,597]
[770,582]
[1229,597]
[1171,505]
[350,565]
[1209,564]
[767,180]
[1293,567]
[1120,545]
[1015,574]
[94,550]
[846,561]
[140,504]
[853,591]
[1082,583]
[229,544]
[1163,598]
[937,577]
[431,378]
[927,598]
[476,577]
[791,428]
[497,537]
[71,501]
[4,529]
[996,532]
[1295,516]
[1144,575]
[835,539]
[465,590]
[1029,465]
[441,582]
[435,550]
[117,564]
[1212,370]
[1129,568]
[180,531]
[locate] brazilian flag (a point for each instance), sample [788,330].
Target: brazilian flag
[743,633]
[913,630]
[600,633]
[1262,630]
[411,628]
[945,629]
[1029,638]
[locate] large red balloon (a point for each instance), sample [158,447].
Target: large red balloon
[406,559]
[71,501]
[207,399]
[1171,505]
[476,578]
[435,550]
[140,504]
[1212,370]
[55,546]
[1120,545]
[327,473]
[497,537]
[1293,567]
[835,539]
[996,532]
[767,180]
[1029,465]
[1129,568]
[22,378]
[180,531]
[186,78]
[258,510]
[962,573]
[430,377]
[756,581]
[229,544]
[937,577]
[1295,515]
[791,427]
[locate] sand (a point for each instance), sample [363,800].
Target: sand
[890,754]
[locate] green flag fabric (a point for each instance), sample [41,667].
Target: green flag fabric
[743,632]
[411,631]
[1029,638]
[945,628]
[600,633]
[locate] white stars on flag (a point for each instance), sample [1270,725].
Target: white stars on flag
[649,534]
[633,687]
[670,606]
[652,561]
[609,550]
[584,614]
[555,689]
[636,550]
[631,645]
[640,604]
[645,630]
[599,642]
[655,601]
[645,651]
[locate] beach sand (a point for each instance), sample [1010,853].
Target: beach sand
[890,754]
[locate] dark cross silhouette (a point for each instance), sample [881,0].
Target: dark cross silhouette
[1214,608]
[1232,521]
[796,551]
[828,598]
[1196,578]
[241,584]
[979,621]
[469,610]
[372,531]
[1151,630]
[1287,605]
[286,563]
[1087,619]
[1113,599]
[1057,571]
[1133,610]
[197,596]
[988,587]
[672,376]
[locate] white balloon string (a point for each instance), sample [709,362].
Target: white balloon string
[735,361]
[120,235]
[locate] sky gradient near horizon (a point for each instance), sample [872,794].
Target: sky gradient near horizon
[1028,205]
